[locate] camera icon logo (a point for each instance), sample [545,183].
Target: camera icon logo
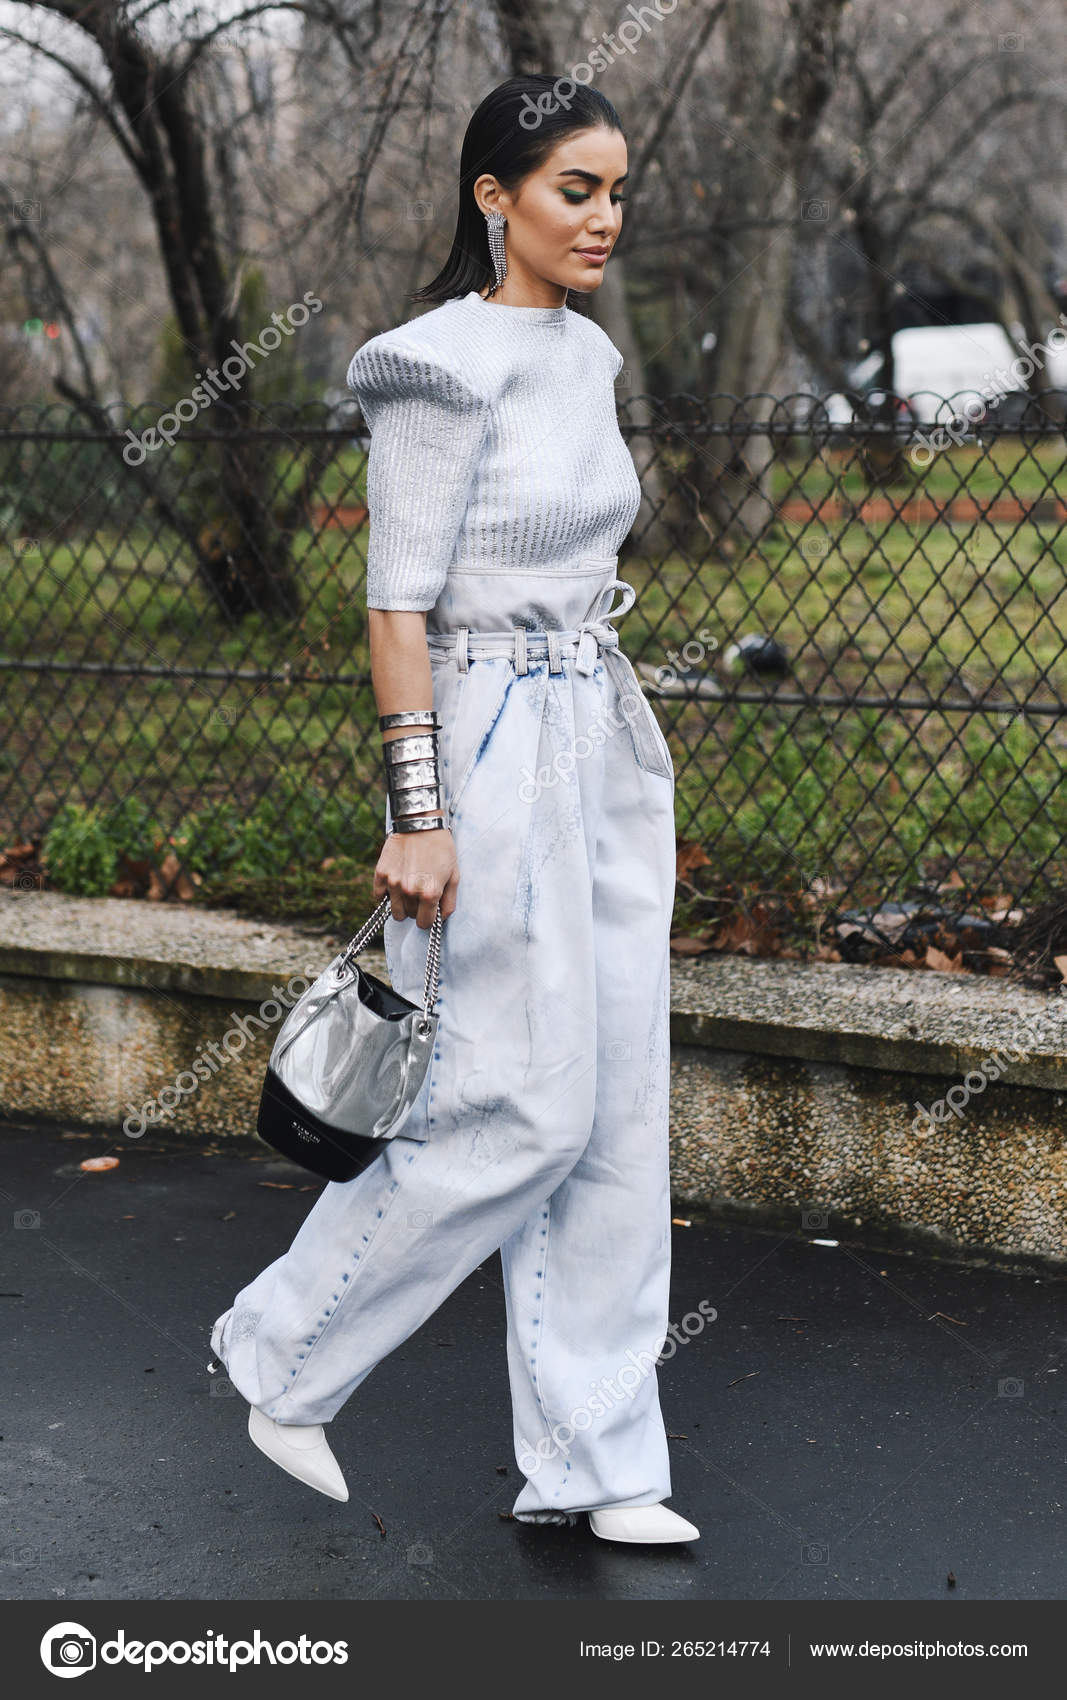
[68,1649]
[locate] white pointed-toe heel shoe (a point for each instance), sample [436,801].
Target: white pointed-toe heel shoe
[300,1449]
[652,1523]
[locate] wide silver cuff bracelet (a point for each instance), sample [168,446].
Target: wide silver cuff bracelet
[419,823]
[413,780]
[409,717]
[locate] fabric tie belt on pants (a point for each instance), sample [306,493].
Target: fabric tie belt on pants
[589,640]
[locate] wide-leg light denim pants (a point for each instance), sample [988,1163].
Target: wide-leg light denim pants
[543,1120]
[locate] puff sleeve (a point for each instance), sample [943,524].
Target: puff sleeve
[427,427]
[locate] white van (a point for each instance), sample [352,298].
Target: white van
[957,362]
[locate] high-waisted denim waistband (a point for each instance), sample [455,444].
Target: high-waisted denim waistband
[590,640]
[585,641]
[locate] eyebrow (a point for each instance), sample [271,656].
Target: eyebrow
[589,176]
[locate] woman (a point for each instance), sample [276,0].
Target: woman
[500,490]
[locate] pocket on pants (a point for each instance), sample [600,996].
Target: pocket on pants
[667,770]
[481,699]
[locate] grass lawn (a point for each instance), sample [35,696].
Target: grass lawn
[970,613]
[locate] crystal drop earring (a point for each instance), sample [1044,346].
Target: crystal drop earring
[496,222]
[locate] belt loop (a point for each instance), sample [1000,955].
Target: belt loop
[520,649]
[462,658]
[555,664]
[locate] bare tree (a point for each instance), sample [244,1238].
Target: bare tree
[779,79]
[772,142]
[152,96]
[940,177]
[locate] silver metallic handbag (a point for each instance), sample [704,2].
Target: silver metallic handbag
[348,1062]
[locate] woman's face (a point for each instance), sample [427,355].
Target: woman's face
[570,204]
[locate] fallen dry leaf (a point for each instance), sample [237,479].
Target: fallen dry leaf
[99,1163]
[749,933]
[12,861]
[690,855]
[181,886]
[134,878]
[897,959]
[683,945]
[943,964]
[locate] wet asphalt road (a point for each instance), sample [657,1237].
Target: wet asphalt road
[832,1436]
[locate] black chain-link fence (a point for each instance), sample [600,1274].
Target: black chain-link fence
[851,625]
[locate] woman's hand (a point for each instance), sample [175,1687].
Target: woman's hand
[417,868]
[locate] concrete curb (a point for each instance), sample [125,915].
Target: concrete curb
[808,1094]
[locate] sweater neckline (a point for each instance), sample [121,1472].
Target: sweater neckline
[531,315]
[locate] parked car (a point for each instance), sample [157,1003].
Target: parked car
[940,368]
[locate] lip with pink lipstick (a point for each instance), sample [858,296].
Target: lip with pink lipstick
[595,256]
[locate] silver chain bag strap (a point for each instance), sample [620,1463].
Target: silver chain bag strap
[348,1062]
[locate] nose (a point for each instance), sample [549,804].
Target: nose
[607,225]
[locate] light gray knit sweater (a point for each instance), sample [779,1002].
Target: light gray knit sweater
[494,443]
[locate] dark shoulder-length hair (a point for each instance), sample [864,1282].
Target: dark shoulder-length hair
[510,134]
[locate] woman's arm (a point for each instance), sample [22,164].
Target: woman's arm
[416,868]
[428,424]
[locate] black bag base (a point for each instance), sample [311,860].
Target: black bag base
[285,1124]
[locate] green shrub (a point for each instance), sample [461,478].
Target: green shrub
[79,852]
[133,829]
